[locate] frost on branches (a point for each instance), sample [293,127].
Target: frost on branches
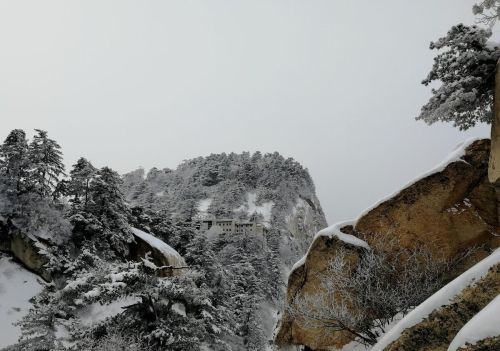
[487,10]
[466,70]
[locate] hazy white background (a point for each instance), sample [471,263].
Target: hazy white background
[334,84]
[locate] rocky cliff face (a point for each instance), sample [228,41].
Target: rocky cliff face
[453,207]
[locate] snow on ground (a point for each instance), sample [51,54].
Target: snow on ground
[455,156]
[483,325]
[95,313]
[173,256]
[203,206]
[251,208]
[440,298]
[17,287]
[334,231]
[179,308]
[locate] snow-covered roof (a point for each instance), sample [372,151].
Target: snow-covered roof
[443,297]
[168,251]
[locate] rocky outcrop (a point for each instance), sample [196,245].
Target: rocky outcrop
[453,208]
[168,261]
[436,332]
[24,249]
[304,281]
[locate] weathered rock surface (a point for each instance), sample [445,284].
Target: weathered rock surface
[453,208]
[26,250]
[436,332]
[306,279]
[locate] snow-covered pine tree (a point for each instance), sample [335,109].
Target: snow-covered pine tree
[78,187]
[487,10]
[46,163]
[466,70]
[109,207]
[14,162]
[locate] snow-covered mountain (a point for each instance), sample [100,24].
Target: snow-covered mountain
[266,188]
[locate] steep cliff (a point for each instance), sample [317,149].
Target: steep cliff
[452,207]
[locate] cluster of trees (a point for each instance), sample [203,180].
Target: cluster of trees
[222,301]
[241,275]
[30,167]
[33,185]
[226,178]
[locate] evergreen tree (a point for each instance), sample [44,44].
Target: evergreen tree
[466,70]
[78,187]
[14,163]
[46,163]
[488,11]
[109,208]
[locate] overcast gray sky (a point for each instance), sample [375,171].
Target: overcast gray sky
[333,84]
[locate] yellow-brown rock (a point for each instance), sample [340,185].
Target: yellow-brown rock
[451,209]
[306,279]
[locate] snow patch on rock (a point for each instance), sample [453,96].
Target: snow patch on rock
[173,256]
[202,207]
[483,325]
[334,231]
[251,208]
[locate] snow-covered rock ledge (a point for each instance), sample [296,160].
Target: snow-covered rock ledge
[441,298]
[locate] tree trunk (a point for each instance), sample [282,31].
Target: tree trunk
[494,162]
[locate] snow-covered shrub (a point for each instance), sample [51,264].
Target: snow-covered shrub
[364,296]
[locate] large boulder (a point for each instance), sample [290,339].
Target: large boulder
[305,279]
[163,256]
[453,207]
